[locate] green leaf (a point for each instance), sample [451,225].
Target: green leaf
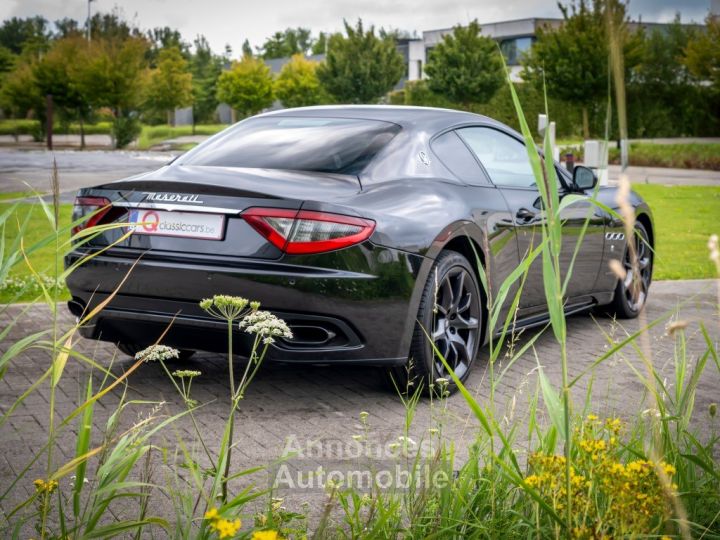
[552,403]
[82,446]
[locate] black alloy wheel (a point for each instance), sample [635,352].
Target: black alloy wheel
[632,291]
[456,328]
[450,317]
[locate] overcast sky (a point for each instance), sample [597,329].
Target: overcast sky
[232,21]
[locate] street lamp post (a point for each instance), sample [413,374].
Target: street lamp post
[88,19]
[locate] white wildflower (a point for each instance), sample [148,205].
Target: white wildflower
[266,325]
[406,440]
[676,326]
[156,353]
[229,308]
[186,373]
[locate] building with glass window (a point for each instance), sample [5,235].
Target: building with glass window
[515,38]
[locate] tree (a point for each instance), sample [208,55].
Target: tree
[702,54]
[465,66]
[360,68]
[67,27]
[664,98]
[162,38]
[288,43]
[205,68]
[572,60]
[247,87]
[57,73]
[112,26]
[320,45]
[112,73]
[246,48]
[20,96]
[7,62]
[298,85]
[170,83]
[19,34]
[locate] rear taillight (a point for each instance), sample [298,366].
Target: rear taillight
[301,232]
[89,209]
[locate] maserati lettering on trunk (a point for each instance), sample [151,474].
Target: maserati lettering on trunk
[172,197]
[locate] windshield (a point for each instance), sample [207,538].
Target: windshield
[330,145]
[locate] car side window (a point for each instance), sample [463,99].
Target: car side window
[454,154]
[503,156]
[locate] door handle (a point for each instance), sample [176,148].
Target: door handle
[524,215]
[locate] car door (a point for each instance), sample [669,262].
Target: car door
[505,160]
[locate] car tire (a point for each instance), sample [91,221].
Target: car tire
[627,302]
[132,349]
[456,325]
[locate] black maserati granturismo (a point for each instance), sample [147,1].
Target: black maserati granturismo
[357,225]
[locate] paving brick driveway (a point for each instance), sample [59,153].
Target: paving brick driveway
[322,404]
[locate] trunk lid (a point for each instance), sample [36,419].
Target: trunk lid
[184,198]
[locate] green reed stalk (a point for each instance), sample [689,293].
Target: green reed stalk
[231,419]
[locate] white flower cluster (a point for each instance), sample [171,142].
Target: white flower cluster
[229,308]
[155,353]
[265,325]
[186,373]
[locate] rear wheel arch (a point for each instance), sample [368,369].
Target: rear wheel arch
[470,249]
[647,223]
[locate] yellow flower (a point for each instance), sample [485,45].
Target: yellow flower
[223,527]
[226,528]
[41,486]
[265,535]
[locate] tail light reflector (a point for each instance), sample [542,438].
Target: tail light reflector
[94,207]
[304,231]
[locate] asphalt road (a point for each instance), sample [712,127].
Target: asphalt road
[319,407]
[76,169]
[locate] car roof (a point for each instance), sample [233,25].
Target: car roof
[428,118]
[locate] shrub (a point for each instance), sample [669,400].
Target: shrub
[125,129]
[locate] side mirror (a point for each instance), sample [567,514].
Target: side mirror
[584,178]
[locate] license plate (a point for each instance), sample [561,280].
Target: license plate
[178,224]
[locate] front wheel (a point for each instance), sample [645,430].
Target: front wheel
[449,323]
[631,292]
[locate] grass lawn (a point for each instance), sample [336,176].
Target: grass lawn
[678,156]
[10,126]
[7,196]
[43,260]
[149,136]
[685,216]
[152,135]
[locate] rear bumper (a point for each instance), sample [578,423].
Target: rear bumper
[361,316]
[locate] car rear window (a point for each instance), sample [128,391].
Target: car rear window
[330,145]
